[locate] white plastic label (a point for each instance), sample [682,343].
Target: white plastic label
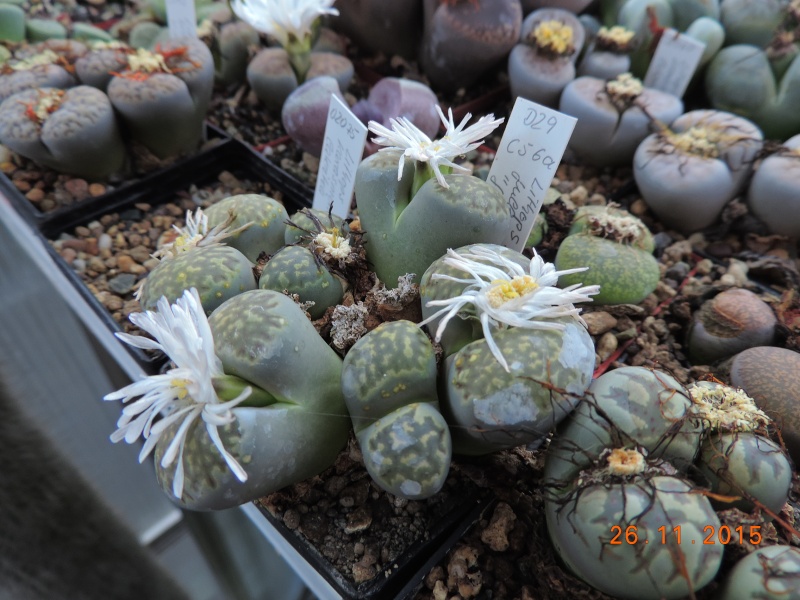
[526,161]
[342,150]
[674,63]
[181,19]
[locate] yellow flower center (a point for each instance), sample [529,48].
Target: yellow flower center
[180,387]
[503,290]
[624,88]
[699,141]
[554,37]
[616,35]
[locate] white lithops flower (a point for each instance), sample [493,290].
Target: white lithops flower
[288,21]
[503,294]
[333,244]
[184,393]
[406,140]
[195,234]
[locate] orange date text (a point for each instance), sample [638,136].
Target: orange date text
[711,535]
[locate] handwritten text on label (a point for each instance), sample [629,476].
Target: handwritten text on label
[529,153]
[342,149]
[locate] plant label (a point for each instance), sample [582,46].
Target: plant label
[526,161]
[674,63]
[181,19]
[342,150]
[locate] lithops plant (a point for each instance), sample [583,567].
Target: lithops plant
[627,527]
[753,23]
[689,171]
[197,259]
[389,386]
[534,359]
[609,53]
[47,64]
[732,321]
[771,376]
[259,221]
[407,208]
[614,116]
[629,408]
[388,27]
[618,511]
[617,250]
[773,194]
[276,71]
[305,112]
[543,63]
[462,41]
[98,65]
[737,458]
[243,416]
[768,573]
[71,131]
[162,96]
[296,270]
[308,223]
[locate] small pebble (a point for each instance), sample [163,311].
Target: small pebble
[599,322]
[77,188]
[122,284]
[36,195]
[97,189]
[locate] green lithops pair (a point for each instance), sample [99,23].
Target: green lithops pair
[313,262]
[518,356]
[245,415]
[389,385]
[617,248]
[619,513]
[409,210]
[737,457]
[198,258]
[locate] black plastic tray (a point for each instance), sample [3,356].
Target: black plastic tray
[230,155]
[39,219]
[410,568]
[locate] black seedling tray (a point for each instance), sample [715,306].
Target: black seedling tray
[230,155]
[40,219]
[410,568]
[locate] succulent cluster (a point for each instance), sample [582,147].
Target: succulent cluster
[631,464]
[66,104]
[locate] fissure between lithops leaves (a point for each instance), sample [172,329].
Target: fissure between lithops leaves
[48,57]
[623,91]
[45,105]
[696,141]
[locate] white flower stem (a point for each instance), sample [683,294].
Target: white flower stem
[229,387]
[299,52]
[423,171]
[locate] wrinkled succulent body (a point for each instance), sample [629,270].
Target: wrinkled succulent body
[389,385]
[265,339]
[405,234]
